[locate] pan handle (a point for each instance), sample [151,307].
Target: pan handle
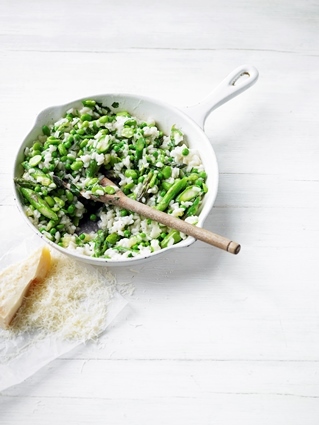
[235,83]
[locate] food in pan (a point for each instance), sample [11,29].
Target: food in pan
[96,140]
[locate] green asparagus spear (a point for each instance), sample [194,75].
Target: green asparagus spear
[172,192]
[38,203]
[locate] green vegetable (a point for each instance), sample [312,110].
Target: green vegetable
[49,200]
[110,190]
[112,239]
[167,172]
[104,145]
[77,165]
[192,210]
[26,183]
[86,117]
[92,169]
[38,203]
[189,193]
[131,173]
[62,149]
[173,236]
[172,192]
[138,160]
[89,103]
[46,130]
[42,178]
[140,144]
[98,242]
[185,152]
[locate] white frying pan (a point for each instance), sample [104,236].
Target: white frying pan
[190,120]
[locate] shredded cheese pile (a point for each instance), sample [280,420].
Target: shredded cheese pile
[71,302]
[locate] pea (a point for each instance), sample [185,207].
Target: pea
[83,143]
[130,123]
[59,201]
[71,209]
[131,173]
[70,157]
[104,119]
[69,195]
[46,130]
[185,151]
[53,231]
[86,117]
[110,190]
[37,146]
[50,201]
[85,125]
[76,165]
[89,103]
[53,140]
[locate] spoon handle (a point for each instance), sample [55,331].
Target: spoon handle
[121,200]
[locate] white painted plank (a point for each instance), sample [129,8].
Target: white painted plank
[172,24]
[173,392]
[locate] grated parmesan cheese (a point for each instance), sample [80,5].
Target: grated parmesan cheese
[71,302]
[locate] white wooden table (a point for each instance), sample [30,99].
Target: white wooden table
[207,337]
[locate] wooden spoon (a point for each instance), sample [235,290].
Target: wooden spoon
[119,199]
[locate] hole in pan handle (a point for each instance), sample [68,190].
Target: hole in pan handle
[239,80]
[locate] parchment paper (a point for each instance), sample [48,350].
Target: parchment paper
[24,355]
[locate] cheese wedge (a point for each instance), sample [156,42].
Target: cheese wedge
[15,281]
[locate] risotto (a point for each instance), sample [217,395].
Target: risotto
[94,141]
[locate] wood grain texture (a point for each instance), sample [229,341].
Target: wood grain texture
[206,338]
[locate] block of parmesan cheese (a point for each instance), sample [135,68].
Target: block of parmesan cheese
[16,279]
